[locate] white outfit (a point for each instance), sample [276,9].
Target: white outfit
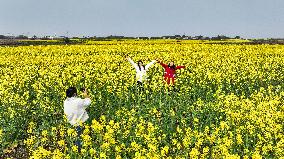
[74,108]
[141,74]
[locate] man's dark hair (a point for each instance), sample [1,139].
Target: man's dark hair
[71,92]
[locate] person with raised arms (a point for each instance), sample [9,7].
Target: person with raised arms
[141,70]
[170,71]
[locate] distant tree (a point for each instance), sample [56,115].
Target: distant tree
[34,37]
[220,37]
[3,37]
[66,40]
[21,37]
[200,37]
[206,38]
[237,37]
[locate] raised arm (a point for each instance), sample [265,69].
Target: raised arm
[162,64]
[149,64]
[87,100]
[179,67]
[132,62]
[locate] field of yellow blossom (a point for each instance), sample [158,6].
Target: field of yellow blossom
[229,102]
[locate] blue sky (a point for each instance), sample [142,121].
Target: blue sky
[247,18]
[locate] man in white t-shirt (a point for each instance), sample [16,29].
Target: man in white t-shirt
[75,108]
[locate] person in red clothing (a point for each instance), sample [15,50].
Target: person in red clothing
[170,72]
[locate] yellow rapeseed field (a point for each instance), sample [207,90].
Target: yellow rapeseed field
[229,102]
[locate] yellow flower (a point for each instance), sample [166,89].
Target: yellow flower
[118,157]
[194,153]
[172,112]
[103,155]
[44,133]
[61,143]
[74,148]
[239,139]
[44,139]
[117,149]
[1,133]
[57,154]
[83,151]
[196,120]
[152,147]
[256,156]
[165,151]
[71,132]
[179,130]
[223,125]
[205,150]
[92,152]
[135,146]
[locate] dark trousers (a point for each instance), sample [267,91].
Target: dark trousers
[78,142]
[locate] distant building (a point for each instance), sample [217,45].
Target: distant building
[220,37]
[143,38]
[177,37]
[184,37]
[114,37]
[49,37]
[155,37]
[168,37]
[200,37]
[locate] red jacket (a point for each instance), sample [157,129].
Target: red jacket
[170,73]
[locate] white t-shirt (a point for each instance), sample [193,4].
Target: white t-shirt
[74,108]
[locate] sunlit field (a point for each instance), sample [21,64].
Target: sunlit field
[228,103]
